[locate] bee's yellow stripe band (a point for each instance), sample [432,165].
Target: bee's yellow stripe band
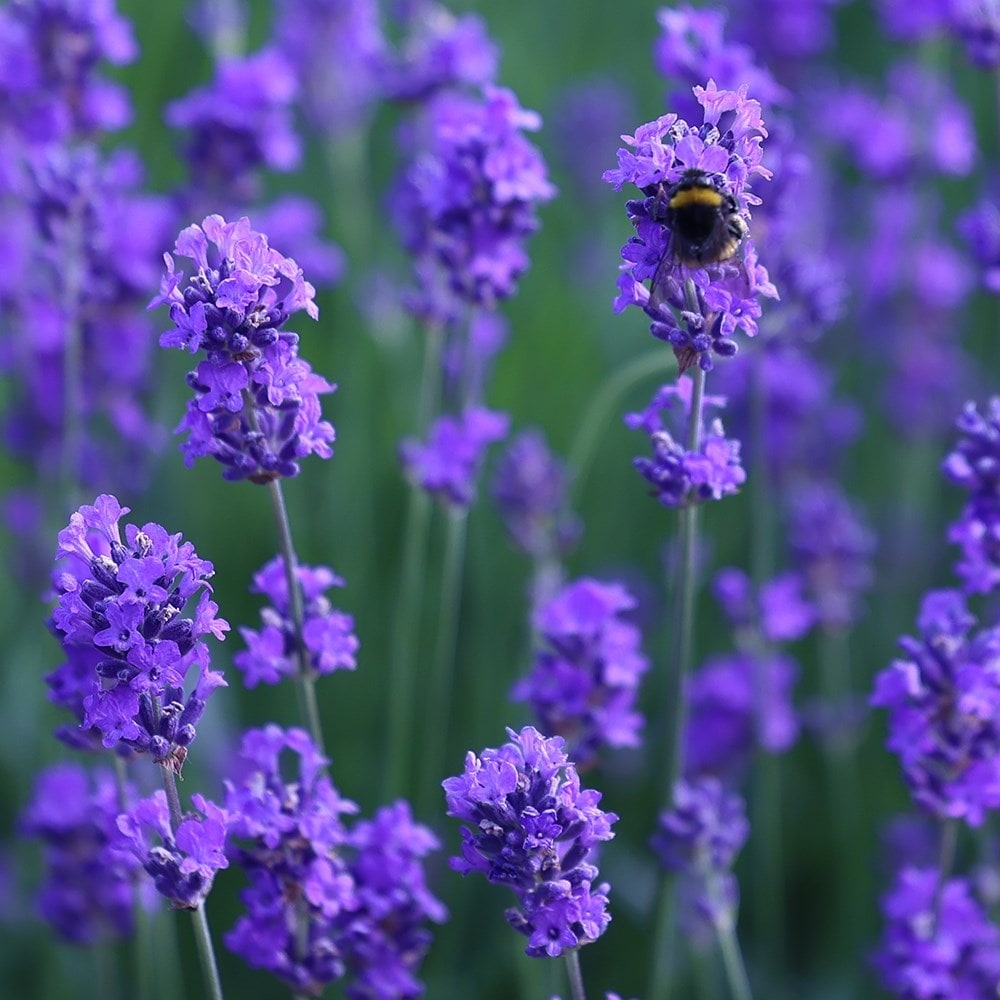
[696,196]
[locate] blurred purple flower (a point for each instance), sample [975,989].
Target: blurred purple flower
[438,50]
[975,23]
[89,892]
[938,941]
[832,547]
[738,703]
[239,123]
[585,679]
[698,838]
[256,408]
[467,203]
[778,610]
[531,827]
[980,226]
[125,597]
[943,701]
[531,489]
[49,54]
[448,464]
[328,634]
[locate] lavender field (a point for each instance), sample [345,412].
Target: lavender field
[500,500]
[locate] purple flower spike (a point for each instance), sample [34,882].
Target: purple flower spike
[467,204]
[448,464]
[696,309]
[330,642]
[531,827]
[937,942]
[256,408]
[89,892]
[239,123]
[530,489]
[182,863]
[944,710]
[585,681]
[974,465]
[699,837]
[49,52]
[122,595]
[680,477]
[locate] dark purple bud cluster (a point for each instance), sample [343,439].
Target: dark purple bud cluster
[256,407]
[120,616]
[585,680]
[974,464]
[531,827]
[328,634]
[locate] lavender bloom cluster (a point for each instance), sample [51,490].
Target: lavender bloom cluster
[974,23]
[328,634]
[585,681]
[943,701]
[980,227]
[121,611]
[531,827]
[696,310]
[89,893]
[974,464]
[448,464]
[467,204]
[182,865]
[256,408]
[680,477]
[49,53]
[699,838]
[938,940]
[323,901]
[529,489]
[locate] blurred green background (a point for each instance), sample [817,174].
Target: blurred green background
[349,513]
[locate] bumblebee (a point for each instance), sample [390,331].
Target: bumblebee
[704,222]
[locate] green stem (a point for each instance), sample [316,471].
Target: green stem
[603,403]
[203,939]
[73,362]
[406,620]
[206,953]
[732,960]
[438,712]
[675,704]
[575,975]
[305,678]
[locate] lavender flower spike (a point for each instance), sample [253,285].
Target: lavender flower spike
[586,678]
[726,151]
[532,828]
[328,634]
[943,700]
[120,609]
[256,407]
[183,865]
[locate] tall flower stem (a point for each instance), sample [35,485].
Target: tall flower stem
[438,712]
[305,679]
[575,975]
[405,634]
[675,706]
[732,960]
[769,879]
[202,935]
